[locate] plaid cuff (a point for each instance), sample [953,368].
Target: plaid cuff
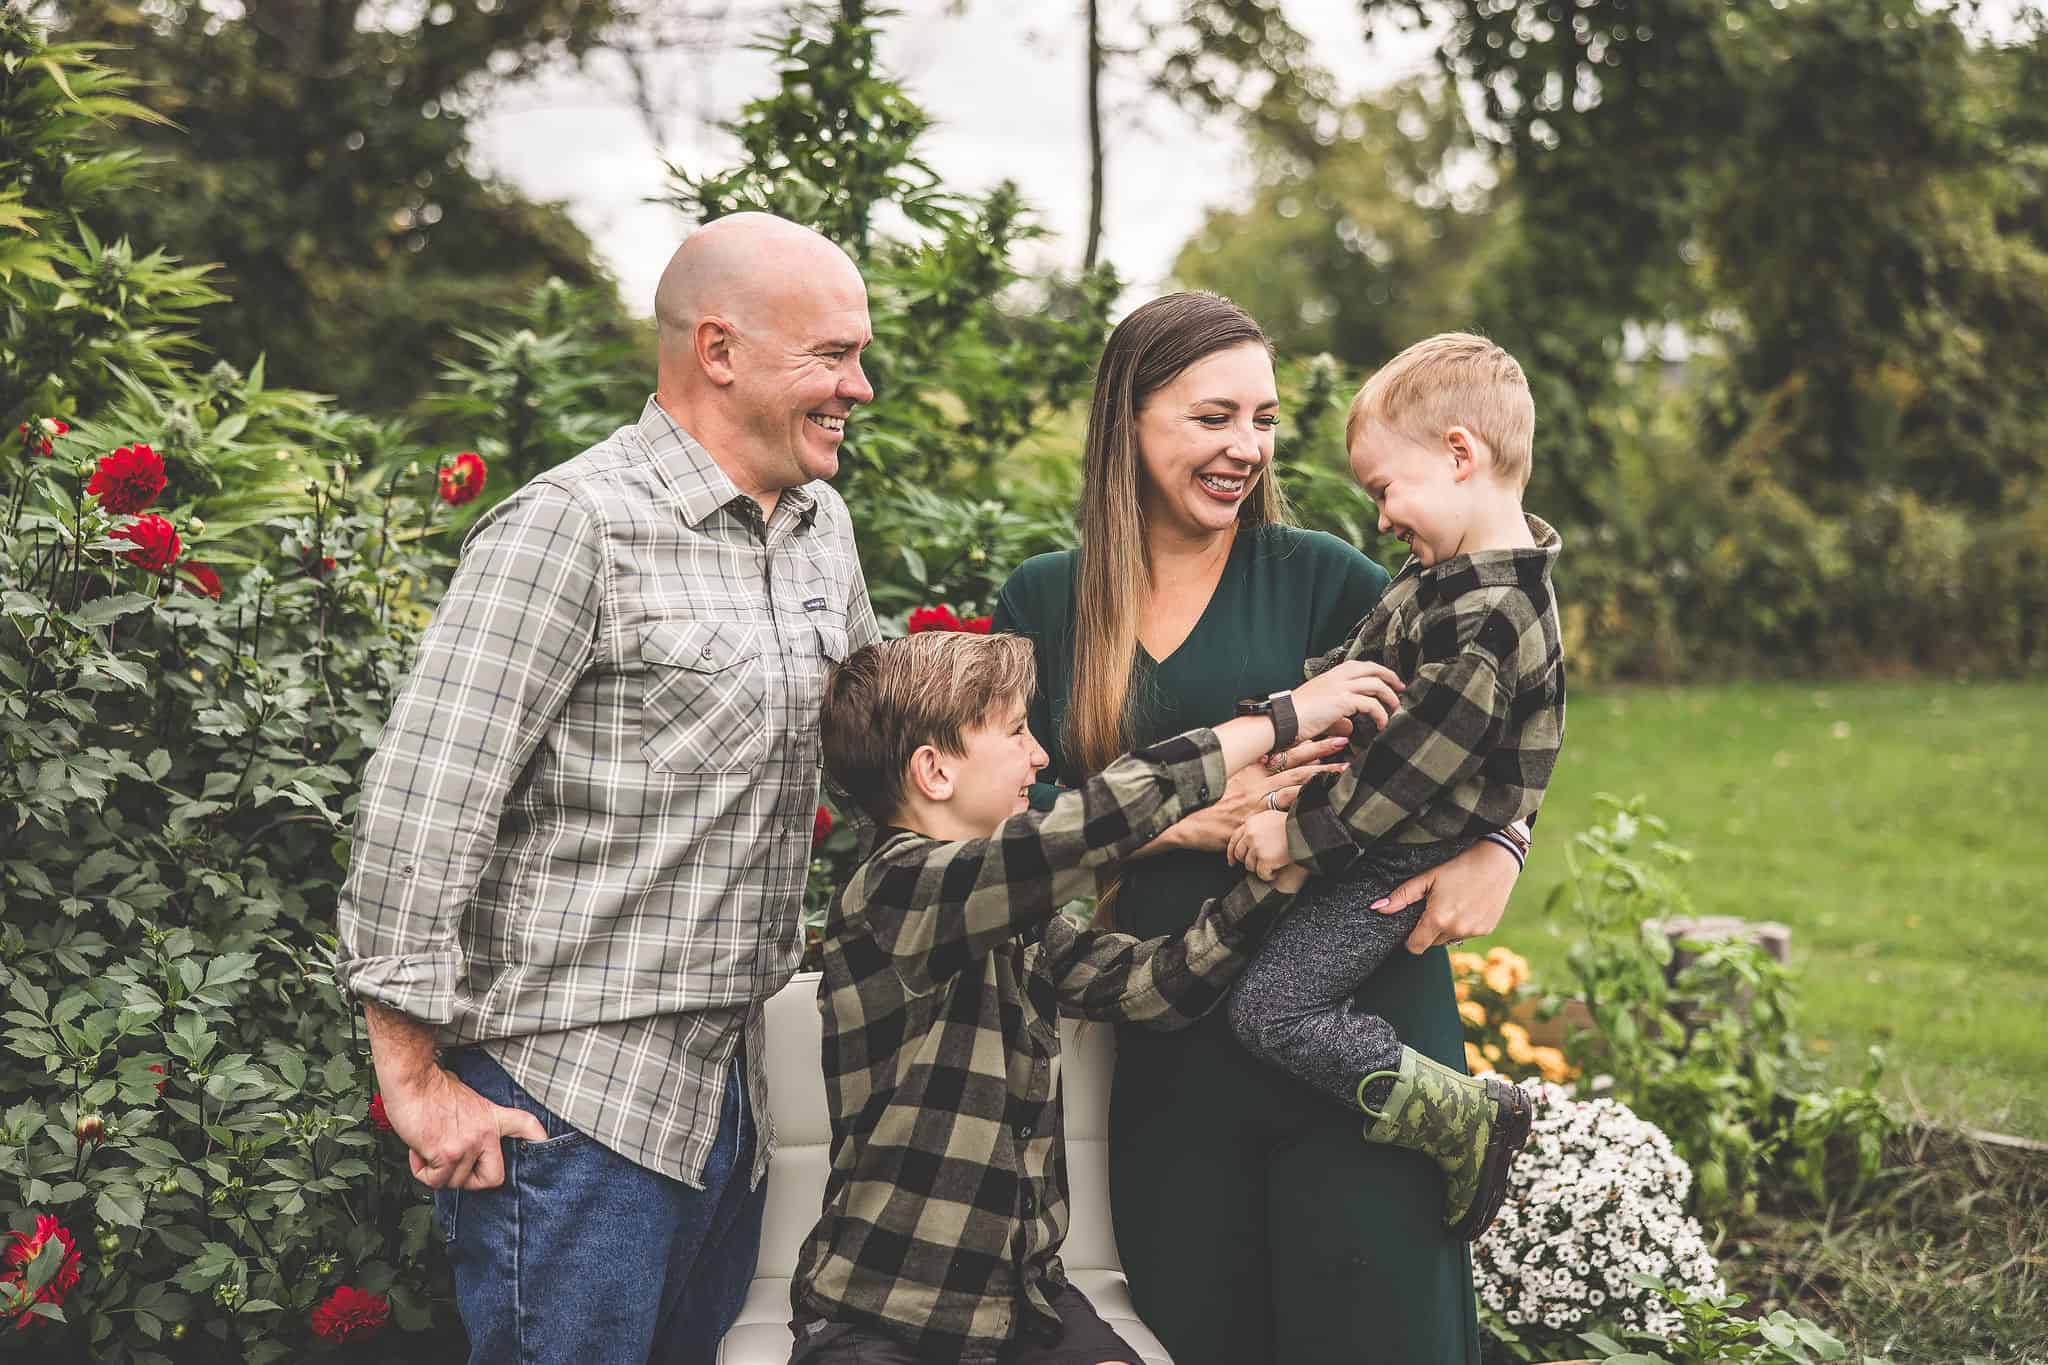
[419,985]
[1194,765]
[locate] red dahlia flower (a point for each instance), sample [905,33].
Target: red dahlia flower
[319,565]
[156,542]
[821,826]
[128,480]
[153,1066]
[462,480]
[977,625]
[204,580]
[38,434]
[349,1313]
[932,618]
[377,1116]
[25,1248]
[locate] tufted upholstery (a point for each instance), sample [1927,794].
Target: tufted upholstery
[796,1183]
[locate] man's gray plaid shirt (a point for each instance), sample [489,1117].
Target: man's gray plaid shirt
[583,839]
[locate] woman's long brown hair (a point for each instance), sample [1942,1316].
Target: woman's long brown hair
[1147,351]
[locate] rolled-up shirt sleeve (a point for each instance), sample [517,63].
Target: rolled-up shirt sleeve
[516,630]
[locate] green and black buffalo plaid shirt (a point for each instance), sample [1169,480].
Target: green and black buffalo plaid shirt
[946,966]
[1473,744]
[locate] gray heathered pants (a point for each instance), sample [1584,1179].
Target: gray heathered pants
[1293,1006]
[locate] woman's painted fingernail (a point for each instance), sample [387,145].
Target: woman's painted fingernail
[1381,903]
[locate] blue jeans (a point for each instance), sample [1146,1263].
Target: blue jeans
[562,1262]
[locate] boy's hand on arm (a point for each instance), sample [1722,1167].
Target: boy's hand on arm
[1260,845]
[1289,878]
[1352,688]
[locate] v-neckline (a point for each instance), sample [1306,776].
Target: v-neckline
[1238,539]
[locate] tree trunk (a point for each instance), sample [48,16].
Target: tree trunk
[1094,134]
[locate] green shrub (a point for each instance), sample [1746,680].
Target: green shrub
[1711,1055]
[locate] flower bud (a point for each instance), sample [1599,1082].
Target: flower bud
[197,527]
[89,1128]
[176,1331]
[110,1241]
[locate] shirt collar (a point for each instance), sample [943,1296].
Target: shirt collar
[1491,568]
[700,486]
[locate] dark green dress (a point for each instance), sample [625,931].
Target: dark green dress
[1256,1225]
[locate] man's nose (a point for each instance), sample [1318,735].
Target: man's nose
[856,388]
[1039,757]
[1385,525]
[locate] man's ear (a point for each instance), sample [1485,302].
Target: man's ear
[930,775]
[714,338]
[1467,450]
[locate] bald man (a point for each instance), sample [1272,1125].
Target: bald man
[581,845]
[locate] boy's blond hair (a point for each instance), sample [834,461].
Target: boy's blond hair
[889,699]
[1453,379]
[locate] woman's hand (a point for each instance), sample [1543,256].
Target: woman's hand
[1467,896]
[1352,688]
[1252,789]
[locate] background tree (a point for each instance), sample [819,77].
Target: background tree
[1361,246]
[319,154]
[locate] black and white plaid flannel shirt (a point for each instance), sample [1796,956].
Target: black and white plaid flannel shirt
[946,966]
[1478,731]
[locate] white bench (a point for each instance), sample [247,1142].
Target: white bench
[796,1179]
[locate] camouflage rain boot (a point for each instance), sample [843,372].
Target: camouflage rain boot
[1471,1126]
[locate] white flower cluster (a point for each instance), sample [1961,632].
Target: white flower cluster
[1598,1195]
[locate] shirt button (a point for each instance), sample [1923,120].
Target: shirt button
[707,651]
[1202,792]
[1024,1130]
[1027,1203]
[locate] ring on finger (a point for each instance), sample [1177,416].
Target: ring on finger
[1271,804]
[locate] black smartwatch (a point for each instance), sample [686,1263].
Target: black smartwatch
[1279,708]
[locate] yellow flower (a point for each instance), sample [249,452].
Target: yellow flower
[1500,978]
[1475,1063]
[1492,1052]
[1467,964]
[1464,990]
[1517,1039]
[1552,1064]
[1472,1012]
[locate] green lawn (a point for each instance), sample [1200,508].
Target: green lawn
[1900,830]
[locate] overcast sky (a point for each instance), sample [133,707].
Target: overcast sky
[1005,82]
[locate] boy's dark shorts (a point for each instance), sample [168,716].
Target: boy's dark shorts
[1084,1339]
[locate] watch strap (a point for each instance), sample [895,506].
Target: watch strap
[1286,725]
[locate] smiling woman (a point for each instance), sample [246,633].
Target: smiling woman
[1253,1221]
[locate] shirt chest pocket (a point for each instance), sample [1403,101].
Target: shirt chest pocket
[705,701]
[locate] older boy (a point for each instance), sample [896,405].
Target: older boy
[945,966]
[1441,439]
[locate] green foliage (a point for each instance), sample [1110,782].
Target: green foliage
[1709,1053]
[181,1086]
[73,304]
[1714,1333]
[319,154]
[1364,246]
[530,394]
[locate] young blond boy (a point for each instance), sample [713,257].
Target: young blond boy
[946,964]
[1440,438]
